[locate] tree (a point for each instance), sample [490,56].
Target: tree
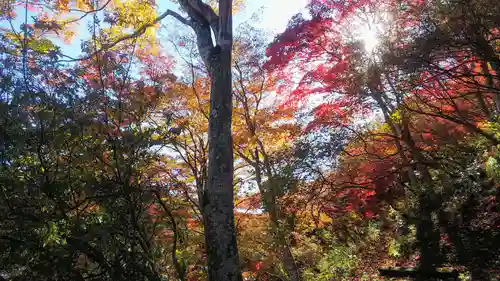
[344,154]
[217,201]
[261,131]
[73,173]
[217,198]
[354,83]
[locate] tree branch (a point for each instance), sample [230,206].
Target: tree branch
[202,12]
[178,264]
[135,34]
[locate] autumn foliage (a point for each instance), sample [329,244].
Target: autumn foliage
[365,136]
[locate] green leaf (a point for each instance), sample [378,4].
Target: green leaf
[42,45]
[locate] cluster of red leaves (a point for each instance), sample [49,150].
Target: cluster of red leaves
[251,202]
[157,68]
[319,61]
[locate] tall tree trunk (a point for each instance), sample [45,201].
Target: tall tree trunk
[216,202]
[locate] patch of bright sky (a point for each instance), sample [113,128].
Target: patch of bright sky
[369,26]
[274,14]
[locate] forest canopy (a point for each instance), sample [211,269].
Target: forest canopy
[178,140]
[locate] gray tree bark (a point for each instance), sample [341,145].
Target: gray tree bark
[216,202]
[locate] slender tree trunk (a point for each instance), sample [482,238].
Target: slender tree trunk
[427,237]
[282,247]
[271,198]
[284,251]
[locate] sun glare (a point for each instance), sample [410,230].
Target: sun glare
[370,36]
[367,28]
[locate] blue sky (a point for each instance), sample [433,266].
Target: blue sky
[274,16]
[276,13]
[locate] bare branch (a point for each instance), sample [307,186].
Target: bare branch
[135,34]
